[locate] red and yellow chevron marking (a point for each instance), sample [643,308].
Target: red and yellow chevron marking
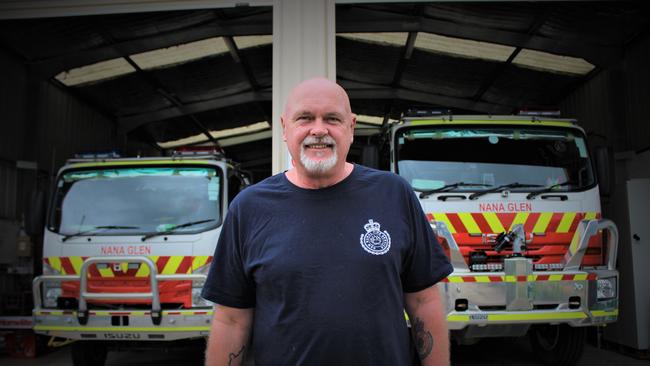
[553,232]
[495,223]
[164,264]
[528,278]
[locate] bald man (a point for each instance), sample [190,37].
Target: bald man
[318,263]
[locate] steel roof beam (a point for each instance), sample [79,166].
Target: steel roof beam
[253,25]
[129,123]
[499,68]
[428,98]
[357,20]
[356,91]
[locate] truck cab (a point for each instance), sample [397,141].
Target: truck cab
[514,201]
[127,246]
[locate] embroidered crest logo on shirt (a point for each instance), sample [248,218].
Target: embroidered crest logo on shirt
[375,241]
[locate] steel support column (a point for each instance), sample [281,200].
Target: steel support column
[303,47]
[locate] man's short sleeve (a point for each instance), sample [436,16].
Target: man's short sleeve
[426,263]
[227,282]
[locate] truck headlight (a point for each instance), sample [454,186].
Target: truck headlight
[606,288]
[198,301]
[52,291]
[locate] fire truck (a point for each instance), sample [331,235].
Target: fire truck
[126,250]
[515,203]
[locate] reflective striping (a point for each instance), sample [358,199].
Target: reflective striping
[528,316]
[127,312]
[494,222]
[172,265]
[457,318]
[442,217]
[605,312]
[527,278]
[520,218]
[537,316]
[565,222]
[117,330]
[144,270]
[106,272]
[469,223]
[542,222]
[55,263]
[199,261]
[76,263]
[164,265]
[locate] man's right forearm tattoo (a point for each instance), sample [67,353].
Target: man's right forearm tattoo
[232,358]
[423,338]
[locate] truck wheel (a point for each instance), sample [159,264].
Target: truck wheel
[558,345]
[88,353]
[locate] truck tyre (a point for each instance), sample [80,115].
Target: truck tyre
[88,353]
[558,345]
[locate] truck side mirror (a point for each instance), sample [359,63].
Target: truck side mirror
[370,156]
[604,170]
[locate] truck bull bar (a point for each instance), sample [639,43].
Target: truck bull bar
[517,295]
[82,311]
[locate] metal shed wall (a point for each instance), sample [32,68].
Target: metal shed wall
[65,126]
[614,106]
[12,107]
[41,123]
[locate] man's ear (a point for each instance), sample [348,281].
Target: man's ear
[353,125]
[284,130]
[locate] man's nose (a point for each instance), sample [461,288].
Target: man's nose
[319,128]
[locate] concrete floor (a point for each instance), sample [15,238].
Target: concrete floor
[497,352]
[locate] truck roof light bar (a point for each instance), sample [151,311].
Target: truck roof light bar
[539,112]
[110,154]
[426,112]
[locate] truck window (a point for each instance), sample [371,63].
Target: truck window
[431,157]
[136,200]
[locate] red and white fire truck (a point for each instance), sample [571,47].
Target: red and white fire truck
[126,249]
[515,203]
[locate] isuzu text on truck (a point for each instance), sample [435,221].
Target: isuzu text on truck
[127,246]
[515,203]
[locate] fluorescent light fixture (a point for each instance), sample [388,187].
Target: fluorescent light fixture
[371,120]
[545,61]
[244,42]
[388,38]
[217,135]
[99,71]
[162,57]
[462,47]
[236,140]
[180,54]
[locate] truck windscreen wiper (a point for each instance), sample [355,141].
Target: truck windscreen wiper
[476,195]
[94,230]
[532,195]
[175,227]
[447,187]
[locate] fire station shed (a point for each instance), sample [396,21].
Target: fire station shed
[145,77]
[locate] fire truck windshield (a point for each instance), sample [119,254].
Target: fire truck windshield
[136,200]
[432,157]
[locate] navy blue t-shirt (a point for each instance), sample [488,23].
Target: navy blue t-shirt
[326,269]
